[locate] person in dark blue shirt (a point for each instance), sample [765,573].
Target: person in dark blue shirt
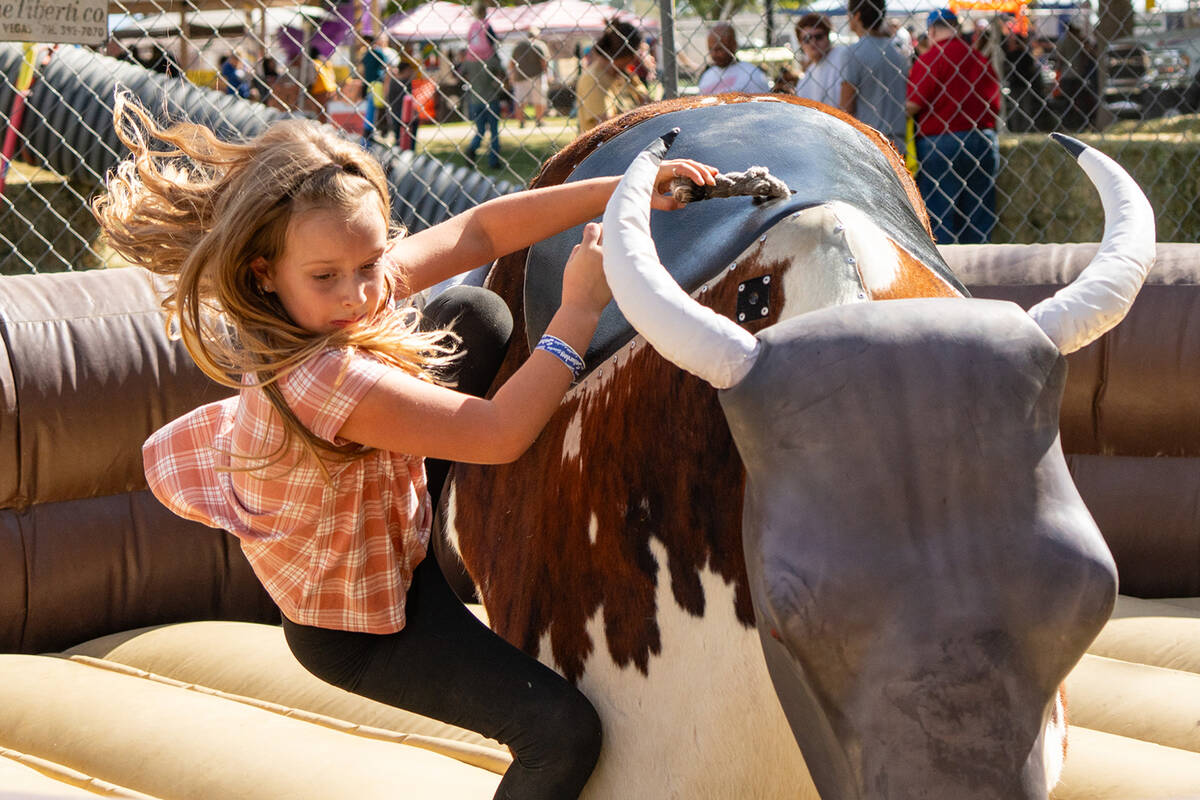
[233,76]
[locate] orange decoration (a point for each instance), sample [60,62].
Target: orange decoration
[1020,22]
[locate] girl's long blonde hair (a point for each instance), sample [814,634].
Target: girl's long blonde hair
[202,210]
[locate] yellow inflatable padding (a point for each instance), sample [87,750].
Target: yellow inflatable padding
[28,778]
[473,754]
[1101,766]
[1149,703]
[187,745]
[253,660]
[1161,633]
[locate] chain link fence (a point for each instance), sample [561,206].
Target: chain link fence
[464,102]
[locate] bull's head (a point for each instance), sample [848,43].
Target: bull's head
[924,572]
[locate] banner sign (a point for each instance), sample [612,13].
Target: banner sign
[67,21]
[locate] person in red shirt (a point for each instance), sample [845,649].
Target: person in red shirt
[954,94]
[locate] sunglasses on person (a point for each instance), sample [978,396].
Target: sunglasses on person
[809,38]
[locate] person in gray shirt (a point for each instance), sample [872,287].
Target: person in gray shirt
[821,77]
[874,72]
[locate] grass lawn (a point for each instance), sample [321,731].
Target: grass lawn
[522,150]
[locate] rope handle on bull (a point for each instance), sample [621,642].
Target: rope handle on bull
[756,182]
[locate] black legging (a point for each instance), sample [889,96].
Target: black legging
[446,664]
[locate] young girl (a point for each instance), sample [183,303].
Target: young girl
[284,281]
[606,87]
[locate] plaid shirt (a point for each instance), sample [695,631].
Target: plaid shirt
[331,556]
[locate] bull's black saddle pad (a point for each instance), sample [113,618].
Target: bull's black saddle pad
[819,157]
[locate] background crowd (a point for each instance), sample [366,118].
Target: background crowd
[937,94]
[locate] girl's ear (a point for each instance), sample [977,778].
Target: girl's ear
[262,272]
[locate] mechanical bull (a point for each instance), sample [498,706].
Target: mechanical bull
[845,524]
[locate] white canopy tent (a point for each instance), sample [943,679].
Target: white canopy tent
[434,22]
[1088,9]
[895,8]
[441,21]
[573,17]
[200,37]
[213,22]
[1047,16]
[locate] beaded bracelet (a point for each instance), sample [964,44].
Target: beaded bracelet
[563,352]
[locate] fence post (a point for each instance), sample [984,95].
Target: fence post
[670,67]
[405,140]
[25,78]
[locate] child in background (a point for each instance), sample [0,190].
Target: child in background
[324,85]
[605,88]
[284,276]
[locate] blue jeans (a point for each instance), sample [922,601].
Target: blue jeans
[957,179]
[368,118]
[486,115]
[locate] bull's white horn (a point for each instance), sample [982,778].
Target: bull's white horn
[1100,297]
[684,332]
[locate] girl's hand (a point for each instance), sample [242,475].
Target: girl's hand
[699,174]
[584,286]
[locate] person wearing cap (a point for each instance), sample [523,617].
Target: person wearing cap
[875,73]
[954,94]
[822,77]
[727,74]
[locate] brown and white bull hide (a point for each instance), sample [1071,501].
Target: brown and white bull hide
[923,571]
[612,549]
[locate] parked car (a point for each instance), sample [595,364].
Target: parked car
[1071,101]
[1145,82]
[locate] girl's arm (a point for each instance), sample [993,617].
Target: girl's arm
[405,415]
[512,222]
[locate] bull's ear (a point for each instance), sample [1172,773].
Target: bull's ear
[684,332]
[1100,297]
